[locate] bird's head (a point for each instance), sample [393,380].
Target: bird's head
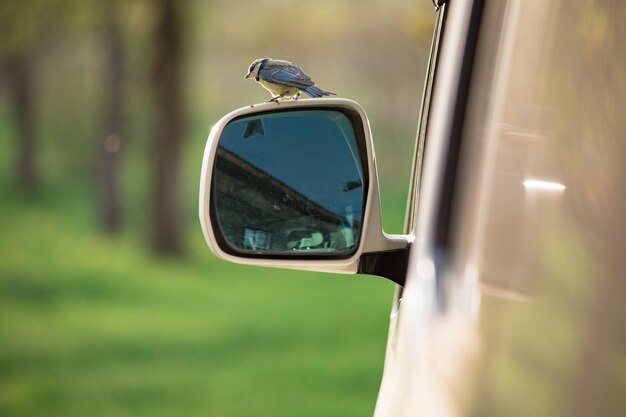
[253,70]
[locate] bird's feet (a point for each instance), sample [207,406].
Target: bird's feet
[295,98]
[274,100]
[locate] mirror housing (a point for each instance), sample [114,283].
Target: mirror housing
[369,252]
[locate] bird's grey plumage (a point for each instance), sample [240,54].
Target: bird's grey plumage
[283,72]
[283,79]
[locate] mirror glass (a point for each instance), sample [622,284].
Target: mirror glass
[289,183]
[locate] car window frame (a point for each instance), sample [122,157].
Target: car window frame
[417,305]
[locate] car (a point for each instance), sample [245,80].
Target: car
[510,271]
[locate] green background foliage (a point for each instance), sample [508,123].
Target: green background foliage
[92,324]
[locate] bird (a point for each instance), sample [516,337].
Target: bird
[283,79]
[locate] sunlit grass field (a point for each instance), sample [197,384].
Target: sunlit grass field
[97,326]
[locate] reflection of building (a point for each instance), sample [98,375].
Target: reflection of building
[257,212]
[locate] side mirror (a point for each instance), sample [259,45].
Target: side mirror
[295,186]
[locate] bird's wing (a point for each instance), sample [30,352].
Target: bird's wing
[283,72]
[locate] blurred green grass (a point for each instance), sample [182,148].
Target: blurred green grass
[91,325]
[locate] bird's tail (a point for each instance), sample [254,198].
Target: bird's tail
[313,91]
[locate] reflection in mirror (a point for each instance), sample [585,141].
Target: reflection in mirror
[289,183]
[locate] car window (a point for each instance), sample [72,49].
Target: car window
[539,209]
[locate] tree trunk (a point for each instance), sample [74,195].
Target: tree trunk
[109,144]
[166,233]
[20,78]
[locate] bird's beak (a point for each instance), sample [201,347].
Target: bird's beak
[246,76]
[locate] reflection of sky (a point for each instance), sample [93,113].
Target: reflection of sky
[306,150]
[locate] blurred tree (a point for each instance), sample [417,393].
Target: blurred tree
[20,33]
[109,144]
[26,29]
[167,128]
[20,77]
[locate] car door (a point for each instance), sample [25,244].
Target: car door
[512,299]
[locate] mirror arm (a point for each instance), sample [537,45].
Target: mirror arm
[388,264]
